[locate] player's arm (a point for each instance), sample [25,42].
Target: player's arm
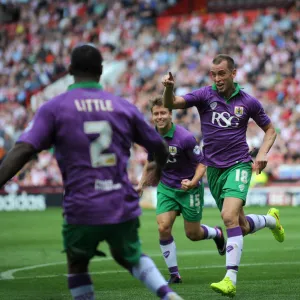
[169,99]
[193,152]
[268,141]
[142,182]
[36,137]
[263,121]
[14,161]
[187,184]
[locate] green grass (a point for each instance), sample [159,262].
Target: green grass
[269,270]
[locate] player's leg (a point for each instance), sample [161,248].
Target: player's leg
[126,249]
[234,183]
[167,244]
[191,208]
[80,245]
[252,223]
[166,212]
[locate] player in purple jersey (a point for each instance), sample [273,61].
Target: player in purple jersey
[180,189]
[92,132]
[224,111]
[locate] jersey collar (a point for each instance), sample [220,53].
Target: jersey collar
[236,91]
[170,133]
[85,85]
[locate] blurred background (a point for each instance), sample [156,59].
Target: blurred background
[141,40]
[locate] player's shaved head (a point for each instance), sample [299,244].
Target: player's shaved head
[86,60]
[223,57]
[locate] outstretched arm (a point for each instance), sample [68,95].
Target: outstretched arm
[14,161]
[170,100]
[268,141]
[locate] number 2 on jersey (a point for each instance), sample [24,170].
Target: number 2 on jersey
[99,159]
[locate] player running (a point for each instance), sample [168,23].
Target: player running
[180,189]
[224,111]
[92,132]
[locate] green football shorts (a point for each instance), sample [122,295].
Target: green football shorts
[229,182]
[81,241]
[189,203]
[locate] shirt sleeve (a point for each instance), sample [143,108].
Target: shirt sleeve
[40,131]
[193,150]
[195,98]
[258,114]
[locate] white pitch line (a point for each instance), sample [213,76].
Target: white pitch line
[9,274]
[182,268]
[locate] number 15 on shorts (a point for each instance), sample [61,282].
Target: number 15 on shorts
[194,200]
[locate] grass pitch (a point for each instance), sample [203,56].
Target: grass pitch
[32,266]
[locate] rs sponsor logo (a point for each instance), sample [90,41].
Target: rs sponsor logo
[224,119]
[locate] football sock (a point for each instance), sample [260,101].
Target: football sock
[81,286]
[147,272]
[234,248]
[210,232]
[258,222]
[168,249]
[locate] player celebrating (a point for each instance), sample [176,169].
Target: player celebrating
[180,189]
[92,131]
[225,110]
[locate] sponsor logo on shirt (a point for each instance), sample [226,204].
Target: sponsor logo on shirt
[197,150]
[224,119]
[238,111]
[107,185]
[213,105]
[172,150]
[172,154]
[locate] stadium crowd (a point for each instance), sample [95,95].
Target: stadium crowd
[35,51]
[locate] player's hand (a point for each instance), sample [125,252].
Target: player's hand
[168,80]
[187,184]
[139,189]
[260,162]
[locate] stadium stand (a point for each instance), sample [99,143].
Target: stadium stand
[34,52]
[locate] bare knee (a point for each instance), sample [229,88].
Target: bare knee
[245,227]
[77,265]
[192,235]
[119,258]
[230,219]
[165,230]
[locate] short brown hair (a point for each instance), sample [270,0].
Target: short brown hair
[221,57]
[157,101]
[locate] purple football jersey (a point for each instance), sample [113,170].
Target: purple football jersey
[184,156]
[224,124]
[92,132]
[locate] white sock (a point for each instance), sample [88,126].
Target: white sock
[232,274]
[81,286]
[258,222]
[210,232]
[234,248]
[168,249]
[147,272]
